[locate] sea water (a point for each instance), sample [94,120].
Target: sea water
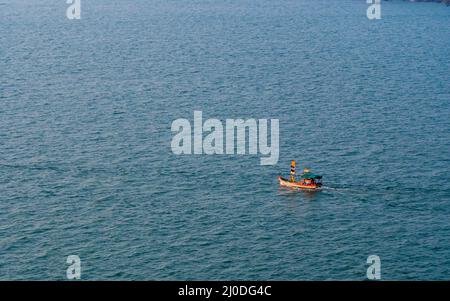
[86,166]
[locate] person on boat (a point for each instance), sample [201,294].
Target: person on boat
[307,181]
[292,178]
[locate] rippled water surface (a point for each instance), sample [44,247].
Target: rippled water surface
[86,166]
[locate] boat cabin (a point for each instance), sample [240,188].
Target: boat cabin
[308,178]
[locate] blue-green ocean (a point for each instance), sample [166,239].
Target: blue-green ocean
[86,166]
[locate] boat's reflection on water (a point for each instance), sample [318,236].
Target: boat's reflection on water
[298,201]
[308,194]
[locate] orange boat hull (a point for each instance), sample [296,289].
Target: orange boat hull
[286,183]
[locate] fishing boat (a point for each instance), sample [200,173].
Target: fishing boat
[308,180]
[299,185]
